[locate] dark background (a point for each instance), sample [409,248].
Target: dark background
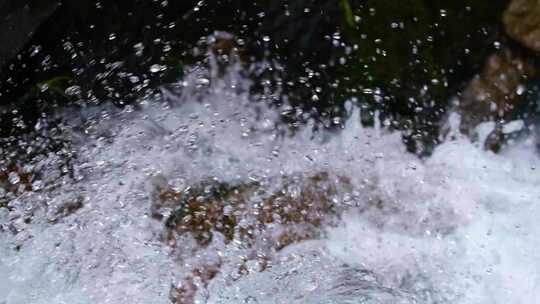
[383,54]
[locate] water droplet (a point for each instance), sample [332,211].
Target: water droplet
[37,185]
[73,91]
[14,178]
[520,89]
[203,81]
[35,50]
[155,68]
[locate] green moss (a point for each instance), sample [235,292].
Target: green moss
[56,85]
[347,12]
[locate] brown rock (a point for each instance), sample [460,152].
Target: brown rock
[211,207]
[259,219]
[522,22]
[496,92]
[14,178]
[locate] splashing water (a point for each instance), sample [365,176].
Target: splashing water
[458,227]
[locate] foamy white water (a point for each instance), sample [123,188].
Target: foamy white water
[458,227]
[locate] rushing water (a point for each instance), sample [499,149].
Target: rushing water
[457,227]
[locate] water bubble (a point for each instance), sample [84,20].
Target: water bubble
[139,48]
[203,81]
[14,178]
[35,50]
[155,68]
[520,89]
[37,185]
[73,91]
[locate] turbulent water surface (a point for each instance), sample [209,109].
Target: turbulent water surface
[457,227]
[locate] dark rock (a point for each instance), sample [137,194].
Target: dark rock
[19,20]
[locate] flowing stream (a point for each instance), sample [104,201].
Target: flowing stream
[458,227]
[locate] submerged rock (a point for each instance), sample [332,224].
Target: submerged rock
[256,218]
[205,209]
[229,231]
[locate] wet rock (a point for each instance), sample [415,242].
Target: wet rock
[213,207]
[23,200]
[522,22]
[495,94]
[253,216]
[15,179]
[227,48]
